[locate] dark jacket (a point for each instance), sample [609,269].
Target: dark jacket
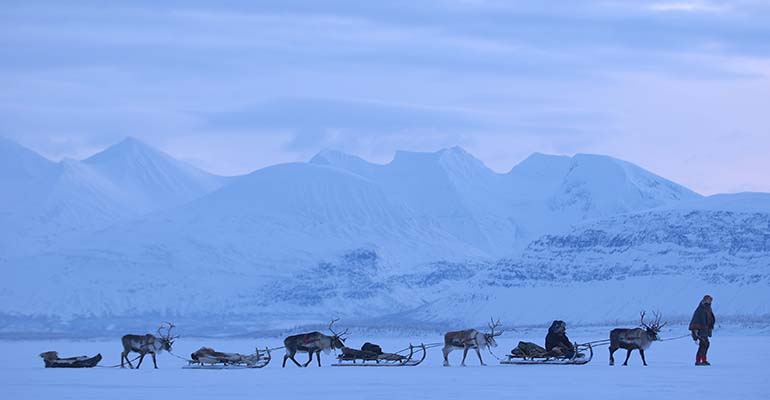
[554,339]
[703,319]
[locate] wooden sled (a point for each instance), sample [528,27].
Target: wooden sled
[583,355]
[52,360]
[358,358]
[208,358]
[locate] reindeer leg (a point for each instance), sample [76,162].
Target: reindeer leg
[155,363]
[290,355]
[612,351]
[641,352]
[465,354]
[318,357]
[628,355]
[141,358]
[310,353]
[446,352]
[122,357]
[478,353]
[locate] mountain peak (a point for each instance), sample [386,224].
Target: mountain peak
[447,157]
[454,150]
[150,174]
[599,185]
[128,147]
[19,162]
[333,157]
[131,141]
[342,160]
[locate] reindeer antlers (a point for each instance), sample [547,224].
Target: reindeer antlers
[495,324]
[339,335]
[656,325]
[168,330]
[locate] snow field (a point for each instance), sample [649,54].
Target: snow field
[737,373]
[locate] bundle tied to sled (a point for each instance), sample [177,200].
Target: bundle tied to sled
[52,360]
[206,357]
[372,355]
[529,350]
[530,353]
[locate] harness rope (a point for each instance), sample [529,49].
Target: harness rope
[598,342]
[493,354]
[116,365]
[427,346]
[179,357]
[674,338]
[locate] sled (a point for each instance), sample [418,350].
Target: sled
[409,357]
[208,358]
[583,354]
[52,360]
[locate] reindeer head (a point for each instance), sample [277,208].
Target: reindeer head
[166,339]
[338,339]
[490,337]
[653,329]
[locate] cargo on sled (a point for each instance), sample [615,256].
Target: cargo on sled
[52,360]
[527,353]
[208,358]
[371,355]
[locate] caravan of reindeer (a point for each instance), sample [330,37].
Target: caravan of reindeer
[313,343]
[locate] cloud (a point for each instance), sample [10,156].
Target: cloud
[319,123]
[500,78]
[688,6]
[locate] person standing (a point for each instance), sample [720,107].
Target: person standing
[701,326]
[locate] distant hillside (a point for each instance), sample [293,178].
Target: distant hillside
[433,237]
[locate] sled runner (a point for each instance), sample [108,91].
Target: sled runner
[372,356]
[52,360]
[208,358]
[530,353]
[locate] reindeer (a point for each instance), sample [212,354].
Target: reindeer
[313,342]
[635,339]
[470,339]
[147,344]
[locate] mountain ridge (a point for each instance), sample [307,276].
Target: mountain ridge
[428,236]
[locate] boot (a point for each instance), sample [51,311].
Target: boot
[698,360]
[704,362]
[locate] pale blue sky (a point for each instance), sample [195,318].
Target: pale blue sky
[679,87]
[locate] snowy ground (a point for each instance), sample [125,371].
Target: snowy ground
[738,372]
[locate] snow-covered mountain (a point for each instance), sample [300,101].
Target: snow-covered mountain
[662,259]
[150,179]
[432,237]
[44,200]
[498,212]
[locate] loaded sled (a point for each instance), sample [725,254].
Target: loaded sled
[208,358]
[52,360]
[371,355]
[527,353]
